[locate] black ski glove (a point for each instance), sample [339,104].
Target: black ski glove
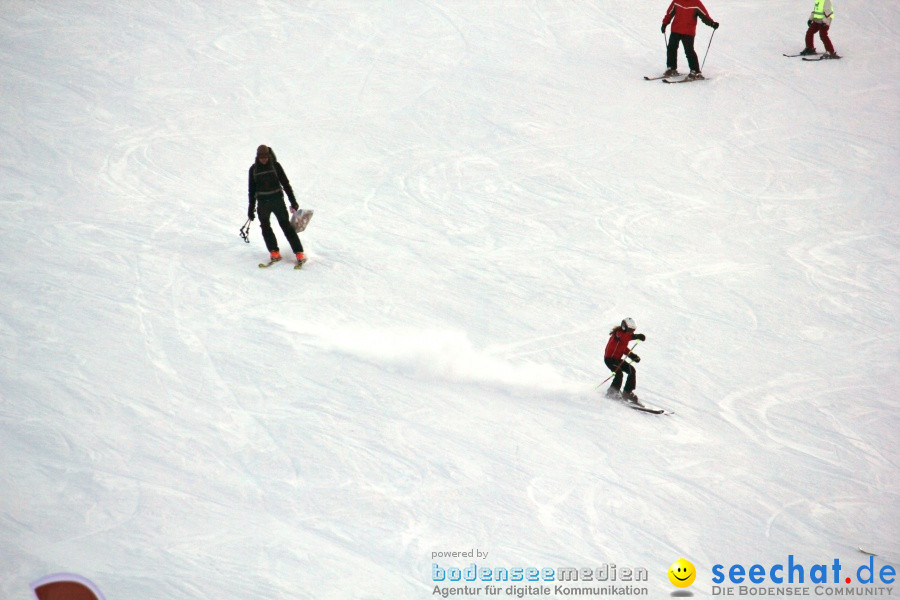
[809,23]
[640,336]
[295,206]
[634,357]
[251,214]
[663,28]
[715,25]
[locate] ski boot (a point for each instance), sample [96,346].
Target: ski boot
[630,396]
[807,52]
[274,257]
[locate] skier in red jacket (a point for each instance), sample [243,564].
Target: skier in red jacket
[616,349]
[683,15]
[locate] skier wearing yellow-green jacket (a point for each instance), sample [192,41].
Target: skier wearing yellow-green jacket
[819,22]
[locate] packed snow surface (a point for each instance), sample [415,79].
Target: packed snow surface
[495,188]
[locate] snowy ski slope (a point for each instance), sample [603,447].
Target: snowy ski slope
[495,187]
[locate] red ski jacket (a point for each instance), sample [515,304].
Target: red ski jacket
[685,14]
[618,344]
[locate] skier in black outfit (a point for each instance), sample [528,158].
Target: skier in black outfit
[266,187]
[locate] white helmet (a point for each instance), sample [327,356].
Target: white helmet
[628,323]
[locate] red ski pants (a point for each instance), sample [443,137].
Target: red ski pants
[822,30]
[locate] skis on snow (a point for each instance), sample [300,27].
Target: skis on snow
[687,79]
[667,78]
[297,266]
[266,265]
[643,408]
[814,57]
[637,405]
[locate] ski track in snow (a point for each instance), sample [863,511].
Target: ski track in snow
[494,189]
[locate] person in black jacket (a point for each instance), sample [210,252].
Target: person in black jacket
[266,186]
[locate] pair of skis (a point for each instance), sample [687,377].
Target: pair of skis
[297,266]
[813,57]
[666,78]
[636,404]
[643,407]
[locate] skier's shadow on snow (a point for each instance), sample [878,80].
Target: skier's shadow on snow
[683,594]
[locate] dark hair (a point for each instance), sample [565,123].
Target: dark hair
[264,150]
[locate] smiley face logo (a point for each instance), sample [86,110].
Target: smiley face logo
[682,573]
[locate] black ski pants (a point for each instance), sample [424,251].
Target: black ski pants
[266,207]
[625,369]
[672,55]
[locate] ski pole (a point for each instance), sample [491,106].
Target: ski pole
[245,231]
[621,362]
[707,49]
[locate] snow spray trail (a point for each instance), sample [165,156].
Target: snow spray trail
[436,354]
